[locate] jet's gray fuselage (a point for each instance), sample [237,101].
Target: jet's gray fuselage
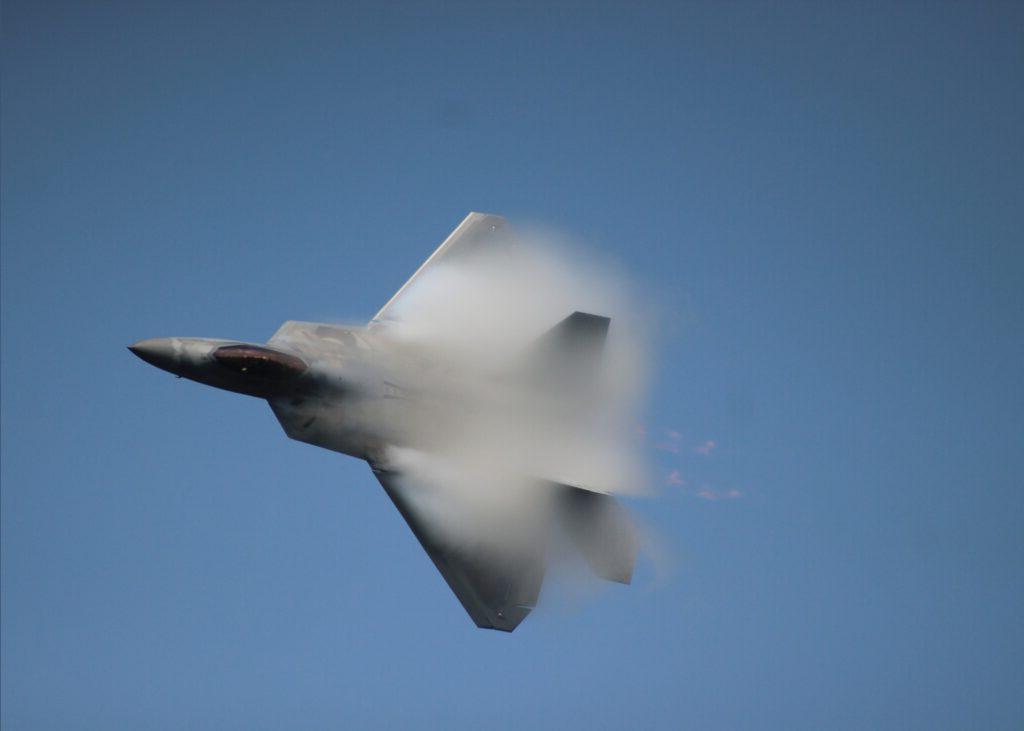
[334,387]
[397,401]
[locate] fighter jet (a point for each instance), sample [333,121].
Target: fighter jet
[359,391]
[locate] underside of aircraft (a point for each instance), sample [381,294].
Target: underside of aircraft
[369,393]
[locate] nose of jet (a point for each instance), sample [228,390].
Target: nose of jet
[156,351]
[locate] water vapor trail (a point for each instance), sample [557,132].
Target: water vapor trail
[494,422]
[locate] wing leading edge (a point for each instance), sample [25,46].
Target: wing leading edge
[497,591]
[476,230]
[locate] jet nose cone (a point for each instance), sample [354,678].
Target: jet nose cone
[156,351]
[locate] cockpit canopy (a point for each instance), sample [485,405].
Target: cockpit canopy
[260,363]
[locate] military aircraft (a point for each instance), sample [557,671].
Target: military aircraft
[357,391]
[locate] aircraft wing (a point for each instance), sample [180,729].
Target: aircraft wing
[475,231]
[497,591]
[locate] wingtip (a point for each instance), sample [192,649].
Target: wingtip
[476,215]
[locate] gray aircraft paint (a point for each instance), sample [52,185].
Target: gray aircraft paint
[355,391]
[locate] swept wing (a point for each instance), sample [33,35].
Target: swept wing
[476,230]
[497,588]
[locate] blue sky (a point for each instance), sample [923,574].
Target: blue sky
[823,202]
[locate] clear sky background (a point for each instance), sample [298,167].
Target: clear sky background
[824,203]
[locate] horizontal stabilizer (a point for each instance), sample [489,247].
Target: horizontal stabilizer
[601,530]
[568,355]
[580,335]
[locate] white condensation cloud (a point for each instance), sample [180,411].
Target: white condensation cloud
[706,447]
[492,421]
